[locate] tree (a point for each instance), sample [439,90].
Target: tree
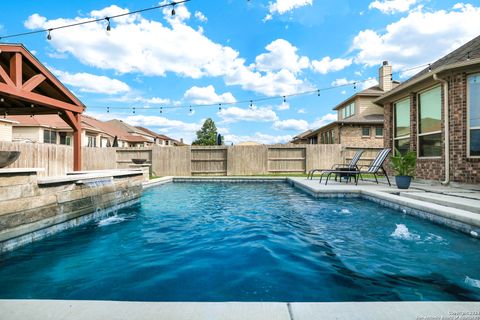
[207,135]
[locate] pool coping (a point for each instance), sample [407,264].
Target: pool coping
[87,310]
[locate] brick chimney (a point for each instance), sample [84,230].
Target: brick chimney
[385,77]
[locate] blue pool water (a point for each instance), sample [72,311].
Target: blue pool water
[247,242]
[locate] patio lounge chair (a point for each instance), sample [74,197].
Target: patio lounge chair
[373,168]
[345,166]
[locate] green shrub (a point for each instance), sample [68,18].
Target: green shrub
[404,164]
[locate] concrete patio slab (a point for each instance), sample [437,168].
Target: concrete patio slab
[453,201]
[385,310]
[93,310]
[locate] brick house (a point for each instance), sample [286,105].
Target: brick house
[437,114]
[359,121]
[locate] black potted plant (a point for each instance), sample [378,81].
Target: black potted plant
[404,167]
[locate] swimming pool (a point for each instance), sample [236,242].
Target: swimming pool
[247,242]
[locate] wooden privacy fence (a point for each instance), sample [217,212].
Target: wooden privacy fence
[184,161]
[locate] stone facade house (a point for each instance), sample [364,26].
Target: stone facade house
[359,121]
[436,113]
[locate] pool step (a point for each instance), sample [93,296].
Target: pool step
[463,201]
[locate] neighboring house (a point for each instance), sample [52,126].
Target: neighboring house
[6,129]
[301,138]
[159,139]
[130,135]
[52,129]
[436,113]
[359,121]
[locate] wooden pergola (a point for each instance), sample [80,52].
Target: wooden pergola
[27,87]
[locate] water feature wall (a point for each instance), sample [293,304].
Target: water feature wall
[32,208]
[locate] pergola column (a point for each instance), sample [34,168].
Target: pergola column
[74,121]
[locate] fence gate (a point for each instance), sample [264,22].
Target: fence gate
[209,161]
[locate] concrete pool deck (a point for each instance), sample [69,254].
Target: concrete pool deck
[92,310]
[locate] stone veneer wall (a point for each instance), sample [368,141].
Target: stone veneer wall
[30,211]
[462,169]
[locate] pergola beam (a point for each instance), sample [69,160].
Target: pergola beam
[33,82]
[16,69]
[4,75]
[36,98]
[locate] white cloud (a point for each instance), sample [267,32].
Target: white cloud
[180,49]
[200,16]
[327,64]
[206,95]
[257,137]
[301,111]
[370,82]
[284,6]
[135,98]
[291,124]
[342,82]
[323,120]
[392,6]
[282,55]
[420,37]
[283,106]
[254,114]
[87,82]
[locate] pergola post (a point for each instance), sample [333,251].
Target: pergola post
[74,121]
[77,145]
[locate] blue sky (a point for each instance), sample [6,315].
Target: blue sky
[234,50]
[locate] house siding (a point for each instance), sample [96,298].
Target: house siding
[5,131]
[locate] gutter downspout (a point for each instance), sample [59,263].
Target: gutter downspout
[447,127]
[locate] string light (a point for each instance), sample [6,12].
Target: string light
[133,110]
[49,37]
[219,107]
[251,101]
[284,99]
[468,55]
[108,109]
[355,85]
[429,67]
[108,23]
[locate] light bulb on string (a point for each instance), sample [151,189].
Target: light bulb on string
[173,8]
[108,23]
[318,92]
[133,110]
[251,104]
[219,107]
[49,36]
[108,109]
[284,99]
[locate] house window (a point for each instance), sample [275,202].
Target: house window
[333,136]
[91,141]
[349,110]
[49,136]
[366,131]
[379,131]
[473,133]
[401,134]
[430,123]
[65,139]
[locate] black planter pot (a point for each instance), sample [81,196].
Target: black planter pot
[403,182]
